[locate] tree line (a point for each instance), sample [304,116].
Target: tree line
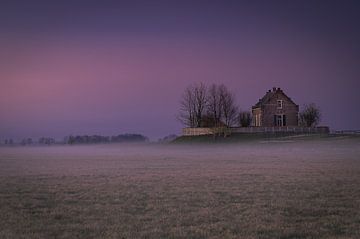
[93,139]
[30,141]
[212,106]
[80,139]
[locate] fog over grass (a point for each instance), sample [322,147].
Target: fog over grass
[261,189]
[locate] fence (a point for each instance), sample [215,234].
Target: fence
[355,132]
[285,129]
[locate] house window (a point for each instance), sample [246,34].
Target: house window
[258,120]
[280,120]
[279,104]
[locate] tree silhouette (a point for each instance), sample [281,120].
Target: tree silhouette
[310,116]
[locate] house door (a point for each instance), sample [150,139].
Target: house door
[280,120]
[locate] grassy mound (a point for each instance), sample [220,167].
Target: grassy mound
[244,138]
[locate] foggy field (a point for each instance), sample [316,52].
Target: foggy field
[259,189]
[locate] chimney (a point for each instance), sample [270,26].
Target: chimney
[279,89]
[274,89]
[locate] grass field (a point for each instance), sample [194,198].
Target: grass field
[289,188]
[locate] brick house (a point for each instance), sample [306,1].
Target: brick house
[275,109]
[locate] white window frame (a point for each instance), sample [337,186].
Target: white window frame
[257,120]
[281,104]
[280,120]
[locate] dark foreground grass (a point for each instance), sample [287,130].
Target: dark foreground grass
[263,190]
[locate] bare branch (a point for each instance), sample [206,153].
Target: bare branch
[310,116]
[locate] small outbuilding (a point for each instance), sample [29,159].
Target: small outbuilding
[275,109]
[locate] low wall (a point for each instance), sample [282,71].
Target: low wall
[196,131]
[287,129]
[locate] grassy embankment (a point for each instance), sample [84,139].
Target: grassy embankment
[254,137]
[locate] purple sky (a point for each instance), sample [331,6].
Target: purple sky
[110,67]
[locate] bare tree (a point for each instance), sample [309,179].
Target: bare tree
[244,118]
[187,108]
[214,104]
[200,102]
[192,105]
[218,102]
[229,109]
[310,116]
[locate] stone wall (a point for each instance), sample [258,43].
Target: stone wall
[196,131]
[287,129]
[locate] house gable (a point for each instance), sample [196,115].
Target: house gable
[270,96]
[275,108]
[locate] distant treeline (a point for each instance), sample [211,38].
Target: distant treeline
[30,141]
[8,141]
[95,139]
[79,139]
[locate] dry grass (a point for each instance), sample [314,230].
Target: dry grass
[284,190]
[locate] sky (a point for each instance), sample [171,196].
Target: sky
[113,67]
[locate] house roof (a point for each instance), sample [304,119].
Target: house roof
[269,95]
